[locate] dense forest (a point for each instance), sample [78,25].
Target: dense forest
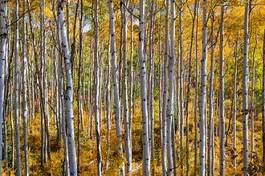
[132,87]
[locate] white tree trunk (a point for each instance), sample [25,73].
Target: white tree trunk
[252,103]
[170,100]
[145,120]
[127,125]
[164,90]
[2,64]
[115,81]
[24,94]
[203,91]
[181,85]
[69,92]
[97,76]
[245,88]
[211,103]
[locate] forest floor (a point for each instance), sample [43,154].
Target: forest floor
[88,152]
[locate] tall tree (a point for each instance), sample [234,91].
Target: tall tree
[127,121]
[115,81]
[210,154]
[245,87]
[145,117]
[131,102]
[203,90]
[2,69]
[189,87]
[196,101]
[235,105]
[80,70]
[164,90]
[170,101]
[16,90]
[151,79]
[24,93]
[221,92]
[252,101]
[69,92]
[97,86]
[181,83]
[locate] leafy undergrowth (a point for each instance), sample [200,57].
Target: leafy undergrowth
[88,152]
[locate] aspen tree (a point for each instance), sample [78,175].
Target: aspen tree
[181,84]
[16,94]
[221,92]
[97,87]
[24,93]
[211,103]
[115,81]
[235,105]
[145,117]
[80,97]
[109,104]
[131,78]
[196,101]
[2,70]
[245,87]
[170,100]
[128,140]
[164,90]
[69,92]
[188,88]
[151,79]
[203,91]
[252,101]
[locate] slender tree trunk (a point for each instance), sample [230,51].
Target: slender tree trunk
[164,90]
[211,103]
[252,102]
[69,93]
[263,104]
[108,104]
[245,87]
[145,117]
[44,87]
[97,87]
[80,97]
[170,100]
[6,84]
[160,91]
[151,81]
[221,99]
[127,125]
[12,106]
[188,89]
[235,107]
[196,93]
[24,94]
[203,91]
[131,103]
[181,86]
[16,90]
[2,71]
[115,82]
